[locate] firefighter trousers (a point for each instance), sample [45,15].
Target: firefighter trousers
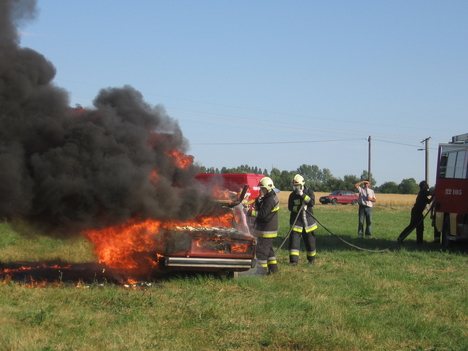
[417,221]
[266,255]
[295,245]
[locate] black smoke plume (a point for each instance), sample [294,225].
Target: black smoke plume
[75,169]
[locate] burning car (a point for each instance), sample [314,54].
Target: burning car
[210,248]
[218,243]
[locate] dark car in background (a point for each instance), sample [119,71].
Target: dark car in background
[340,197]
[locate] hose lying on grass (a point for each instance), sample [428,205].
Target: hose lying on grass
[400,240]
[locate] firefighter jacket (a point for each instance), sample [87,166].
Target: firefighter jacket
[266,216]
[304,220]
[422,200]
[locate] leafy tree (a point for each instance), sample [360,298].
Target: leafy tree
[388,188]
[408,186]
[349,181]
[318,179]
[310,173]
[283,179]
[333,184]
[242,169]
[326,175]
[203,169]
[365,176]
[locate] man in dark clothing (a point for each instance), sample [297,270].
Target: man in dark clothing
[417,218]
[266,226]
[300,202]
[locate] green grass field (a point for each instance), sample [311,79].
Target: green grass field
[408,298]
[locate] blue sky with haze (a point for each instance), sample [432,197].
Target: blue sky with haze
[276,83]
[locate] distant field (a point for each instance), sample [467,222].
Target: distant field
[382,199]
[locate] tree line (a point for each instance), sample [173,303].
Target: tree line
[320,179]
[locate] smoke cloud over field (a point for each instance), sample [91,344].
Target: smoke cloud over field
[75,168]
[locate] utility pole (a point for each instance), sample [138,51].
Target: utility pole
[426,148]
[369,173]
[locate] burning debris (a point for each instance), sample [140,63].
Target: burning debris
[117,173]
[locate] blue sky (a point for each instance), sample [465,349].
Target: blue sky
[276,83]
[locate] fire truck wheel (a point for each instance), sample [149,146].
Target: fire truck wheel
[446,231]
[436,235]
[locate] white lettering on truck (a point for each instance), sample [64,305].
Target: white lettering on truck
[453,191]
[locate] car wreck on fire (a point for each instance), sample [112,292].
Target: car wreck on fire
[224,250]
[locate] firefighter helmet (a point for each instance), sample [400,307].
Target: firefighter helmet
[267,183]
[298,180]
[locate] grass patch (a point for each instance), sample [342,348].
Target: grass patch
[412,297]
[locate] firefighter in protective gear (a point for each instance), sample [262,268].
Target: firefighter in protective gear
[300,202]
[265,227]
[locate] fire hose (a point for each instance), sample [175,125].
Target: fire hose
[399,240]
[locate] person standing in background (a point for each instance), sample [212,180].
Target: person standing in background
[366,202]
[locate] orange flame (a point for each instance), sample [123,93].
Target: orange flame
[128,246]
[180,159]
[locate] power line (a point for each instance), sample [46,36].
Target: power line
[277,142]
[393,142]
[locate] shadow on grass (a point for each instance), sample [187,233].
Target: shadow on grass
[328,242]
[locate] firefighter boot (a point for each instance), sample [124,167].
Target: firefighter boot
[273,268]
[261,270]
[293,260]
[311,260]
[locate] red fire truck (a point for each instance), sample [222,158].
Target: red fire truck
[451,191]
[234,182]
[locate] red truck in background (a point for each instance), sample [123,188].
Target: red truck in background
[234,182]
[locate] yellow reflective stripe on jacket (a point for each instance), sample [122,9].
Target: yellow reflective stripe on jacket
[275,209]
[253,213]
[306,198]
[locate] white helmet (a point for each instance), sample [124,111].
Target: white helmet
[267,183]
[298,180]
